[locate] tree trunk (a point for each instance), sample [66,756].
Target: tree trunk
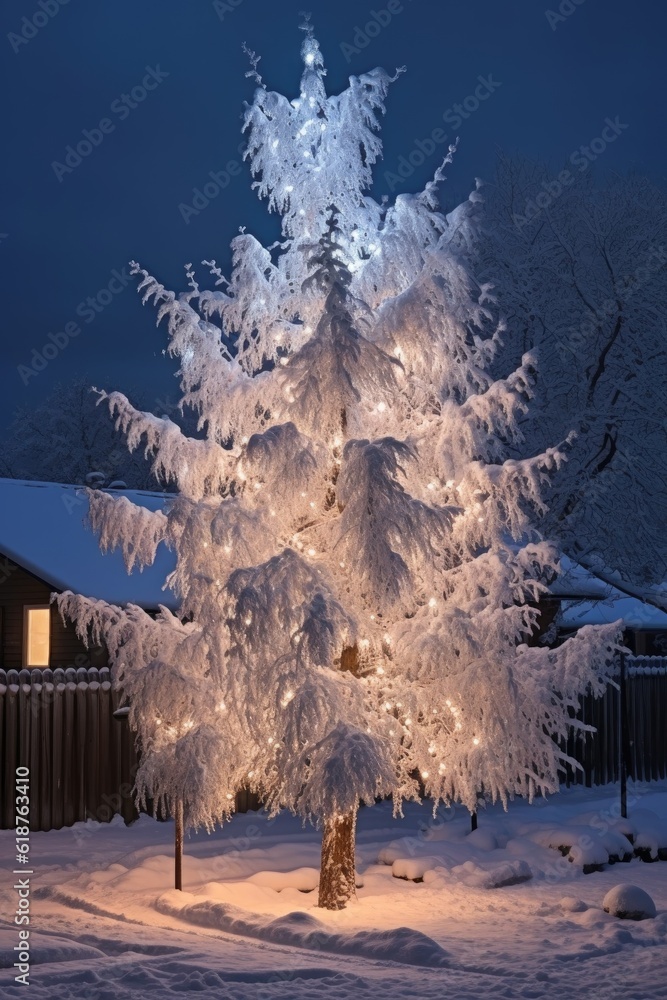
[337,873]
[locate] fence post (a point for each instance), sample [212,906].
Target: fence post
[178,844]
[623,742]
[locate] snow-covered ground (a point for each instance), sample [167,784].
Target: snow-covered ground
[105,923]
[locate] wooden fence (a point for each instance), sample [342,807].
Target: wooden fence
[59,723]
[645,715]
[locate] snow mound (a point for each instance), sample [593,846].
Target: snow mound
[301,930]
[414,869]
[510,873]
[570,904]
[583,845]
[483,840]
[629,902]
[45,950]
[651,834]
[303,879]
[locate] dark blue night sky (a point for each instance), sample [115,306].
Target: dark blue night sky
[68,234]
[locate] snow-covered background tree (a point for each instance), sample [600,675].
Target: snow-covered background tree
[67,437]
[357,559]
[583,282]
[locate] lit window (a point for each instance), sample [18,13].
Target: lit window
[37,636]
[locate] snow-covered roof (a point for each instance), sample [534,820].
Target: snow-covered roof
[575,581]
[44,529]
[599,603]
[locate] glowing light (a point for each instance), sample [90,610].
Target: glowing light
[244,440]
[311,552]
[432,603]
[424,774]
[387,706]
[381,407]
[158,722]
[289,188]
[258,486]
[188,725]
[221,707]
[408,722]
[476,742]
[480,518]
[227,549]
[380,670]
[284,361]
[458,725]
[250,774]
[302,211]
[312,503]
[387,640]
[230,796]
[289,695]
[449,484]
[342,565]
[275,143]
[205,545]
[310,59]
[248,619]
[307,329]
[364,643]
[337,442]
[430,486]
[270,740]
[441,768]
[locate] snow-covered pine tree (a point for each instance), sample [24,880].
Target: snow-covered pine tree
[357,558]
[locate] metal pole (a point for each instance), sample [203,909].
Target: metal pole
[623,741]
[178,845]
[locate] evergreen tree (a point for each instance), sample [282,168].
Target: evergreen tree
[357,559]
